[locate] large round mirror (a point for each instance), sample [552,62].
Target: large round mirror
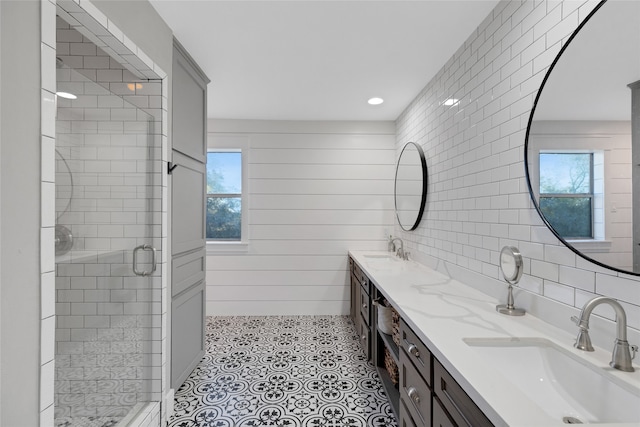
[582,151]
[410,186]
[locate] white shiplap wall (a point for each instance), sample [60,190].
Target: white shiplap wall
[316,190]
[478,198]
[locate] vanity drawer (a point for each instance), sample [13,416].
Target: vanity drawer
[414,392]
[365,308]
[365,283]
[440,416]
[463,411]
[405,416]
[361,276]
[416,351]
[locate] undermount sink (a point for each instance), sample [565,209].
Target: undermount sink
[563,385]
[380,260]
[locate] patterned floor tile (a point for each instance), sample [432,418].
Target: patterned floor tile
[286,371]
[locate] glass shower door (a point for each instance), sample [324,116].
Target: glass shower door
[108,247]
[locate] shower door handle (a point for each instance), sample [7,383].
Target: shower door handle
[144,247]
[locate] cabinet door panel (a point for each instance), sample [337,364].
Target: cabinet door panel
[186,270]
[365,338]
[355,298]
[189,93]
[365,307]
[188,204]
[187,333]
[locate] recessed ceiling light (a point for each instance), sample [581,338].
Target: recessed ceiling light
[66,95]
[451,101]
[375,101]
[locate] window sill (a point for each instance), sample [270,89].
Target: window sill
[593,246]
[215,248]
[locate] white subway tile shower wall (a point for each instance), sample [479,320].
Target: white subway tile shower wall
[108,336]
[478,198]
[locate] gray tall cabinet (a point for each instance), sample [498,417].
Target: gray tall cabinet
[187,180]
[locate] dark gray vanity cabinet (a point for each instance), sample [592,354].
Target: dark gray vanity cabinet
[430,396]
[425,394]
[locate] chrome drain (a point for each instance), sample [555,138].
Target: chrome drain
[571,420]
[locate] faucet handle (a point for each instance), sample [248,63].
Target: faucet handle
[634,350]
[575,320]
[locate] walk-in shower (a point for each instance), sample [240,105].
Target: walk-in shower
[108,201]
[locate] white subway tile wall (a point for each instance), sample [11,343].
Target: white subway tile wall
[478,198]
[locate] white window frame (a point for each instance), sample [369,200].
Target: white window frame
[233,143]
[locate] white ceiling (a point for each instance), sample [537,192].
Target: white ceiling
[319,60]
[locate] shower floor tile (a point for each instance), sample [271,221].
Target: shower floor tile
[289,371]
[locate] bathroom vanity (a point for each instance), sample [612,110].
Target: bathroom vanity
[461,363]
[423,387]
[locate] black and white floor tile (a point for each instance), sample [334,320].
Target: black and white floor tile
[286,371]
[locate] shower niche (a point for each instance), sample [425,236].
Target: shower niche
[108,202]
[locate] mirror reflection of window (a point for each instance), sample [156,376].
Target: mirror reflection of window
[566,193]
[585,105]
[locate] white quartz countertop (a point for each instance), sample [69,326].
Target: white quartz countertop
[443,312]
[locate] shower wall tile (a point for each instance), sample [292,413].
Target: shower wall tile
[48,299]
[48,24]
[48,56]
[47,391]
[48,200]
[47,255]
[48,106]
[48,159]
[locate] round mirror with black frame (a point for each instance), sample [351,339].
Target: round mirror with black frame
[410,191]
[582,148]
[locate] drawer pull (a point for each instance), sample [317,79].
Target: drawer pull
[364,306]
[413,394]
[413,350]
[363,338]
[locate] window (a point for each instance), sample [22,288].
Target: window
[566,193]
[224,196]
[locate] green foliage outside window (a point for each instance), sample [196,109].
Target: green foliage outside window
[224,198]
[224,218]
[570,217]
[566,193]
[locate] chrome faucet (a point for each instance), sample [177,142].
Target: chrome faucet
[400,252]
[621,357]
